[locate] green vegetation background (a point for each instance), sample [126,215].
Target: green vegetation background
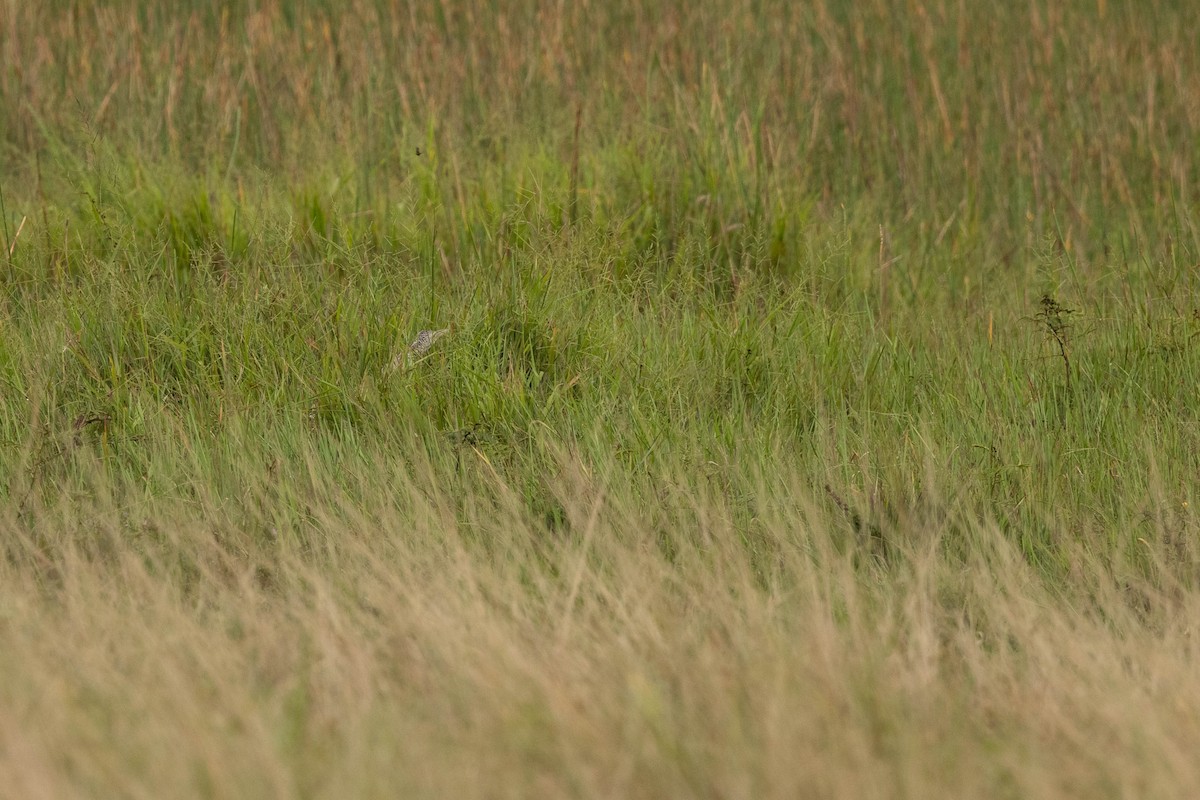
[725,242]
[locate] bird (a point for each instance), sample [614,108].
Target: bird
[419,346]
[425,339]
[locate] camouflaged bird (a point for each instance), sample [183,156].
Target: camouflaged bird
[425,339]
[419,346]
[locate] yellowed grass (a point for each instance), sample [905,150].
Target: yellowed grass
[401,654]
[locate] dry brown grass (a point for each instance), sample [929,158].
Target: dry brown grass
[401,653]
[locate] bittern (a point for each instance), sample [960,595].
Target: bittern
[419,346]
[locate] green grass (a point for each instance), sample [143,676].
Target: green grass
[818,415]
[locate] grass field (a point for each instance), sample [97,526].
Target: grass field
[818,415]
